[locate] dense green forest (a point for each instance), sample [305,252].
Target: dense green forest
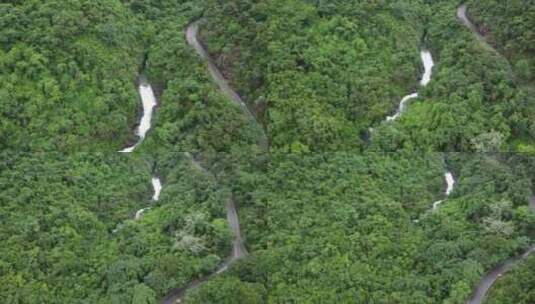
[509,26]
[338,209]
[346,230]
[69,234]
[327,72]
[68,85]
[72,63]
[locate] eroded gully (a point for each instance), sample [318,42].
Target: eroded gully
[484,285]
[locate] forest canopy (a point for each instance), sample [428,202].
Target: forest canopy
[340,206]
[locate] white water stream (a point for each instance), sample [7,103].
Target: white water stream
[140,212]
[148,99]
[149,102]
[157,186]
[427,60]
[401,107]
[428,63]
[450,181]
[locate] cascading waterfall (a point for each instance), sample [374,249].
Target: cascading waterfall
[428,63]
[157,186]
[149,102]
[450,181]
[401,107]
[148,99]
[140,212]
[427,60]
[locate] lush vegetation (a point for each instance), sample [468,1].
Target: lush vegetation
[509,26]
[335,212]
[318,74]
[68,69]
[469,97]
[68,85]
[358,228]
[69,234]
[321,74]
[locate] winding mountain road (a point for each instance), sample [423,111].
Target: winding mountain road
[192,32]
[238,251]
[495,273]
[149,102]
[463,16]
[238,248]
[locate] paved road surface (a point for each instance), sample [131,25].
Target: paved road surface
[494,274]
[191,36]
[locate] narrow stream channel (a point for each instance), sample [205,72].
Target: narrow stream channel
[428,63]
[148,100]
[157,188]
[450,182]
[238,249]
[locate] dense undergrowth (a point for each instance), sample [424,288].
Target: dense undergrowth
[334,213]
[359,228]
